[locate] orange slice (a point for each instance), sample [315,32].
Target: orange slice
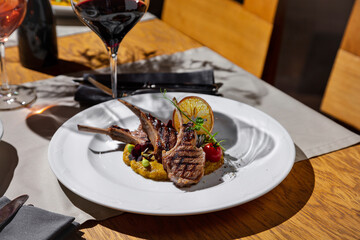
[195,107]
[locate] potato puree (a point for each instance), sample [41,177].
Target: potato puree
[156,171]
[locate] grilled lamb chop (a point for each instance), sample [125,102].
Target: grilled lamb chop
[121,134]
[162,136]
[185,162]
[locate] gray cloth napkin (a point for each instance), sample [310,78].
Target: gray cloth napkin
[32,223]
[201,81]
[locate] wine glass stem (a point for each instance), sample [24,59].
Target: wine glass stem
[113,68]
[4,78]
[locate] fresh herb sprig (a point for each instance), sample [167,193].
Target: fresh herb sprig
[199,121]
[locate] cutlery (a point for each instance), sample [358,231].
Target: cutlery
[168,89]
[156,87]
[100,86]
[11,208]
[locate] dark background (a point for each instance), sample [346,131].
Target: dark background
[312,34]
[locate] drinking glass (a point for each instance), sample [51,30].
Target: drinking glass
[12,13]
[111,20]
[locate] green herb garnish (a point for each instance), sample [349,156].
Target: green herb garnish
[198,123]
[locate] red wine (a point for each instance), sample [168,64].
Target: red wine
[111,19]
[11,15]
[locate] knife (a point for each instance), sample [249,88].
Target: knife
[11,208]
[184,87]
[137,80]
[158,90]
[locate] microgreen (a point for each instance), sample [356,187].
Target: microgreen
[198,123]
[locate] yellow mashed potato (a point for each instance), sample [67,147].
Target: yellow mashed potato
[155,170]
[212,166]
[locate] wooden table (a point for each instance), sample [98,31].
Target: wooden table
[320,198]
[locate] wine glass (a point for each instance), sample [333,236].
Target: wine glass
[12,13]
[111,20]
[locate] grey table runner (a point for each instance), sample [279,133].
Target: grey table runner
[24,164]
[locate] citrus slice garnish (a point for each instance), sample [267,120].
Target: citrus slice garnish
[195,107]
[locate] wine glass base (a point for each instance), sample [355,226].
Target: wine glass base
[16,97]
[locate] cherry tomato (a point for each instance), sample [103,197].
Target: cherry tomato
[212,153]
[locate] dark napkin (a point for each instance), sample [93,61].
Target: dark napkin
[196,81]
[32,223]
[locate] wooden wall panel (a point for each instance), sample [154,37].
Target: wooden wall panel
[225,26]
[265,9]
[351,39]
[342,95]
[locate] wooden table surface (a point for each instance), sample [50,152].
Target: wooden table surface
[319,199]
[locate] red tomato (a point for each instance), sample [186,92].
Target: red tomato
[212,153]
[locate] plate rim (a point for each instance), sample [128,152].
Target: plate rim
[285,173]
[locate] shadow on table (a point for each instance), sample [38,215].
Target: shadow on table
[95,210]
[8,162]
[47,120]
[254,217]
[64,67]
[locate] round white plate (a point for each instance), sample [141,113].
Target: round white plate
[259,155]
[1,130]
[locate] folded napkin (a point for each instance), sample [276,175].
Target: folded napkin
[137,83]
[32,223]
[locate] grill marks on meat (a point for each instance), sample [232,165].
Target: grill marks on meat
[167,135]
[161,136]
[185,162]
[182,160]
[138,135]
[120,134]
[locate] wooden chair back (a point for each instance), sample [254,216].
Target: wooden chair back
[241,32]
[342,95]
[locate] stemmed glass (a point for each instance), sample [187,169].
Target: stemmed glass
[111,20]
[12,13]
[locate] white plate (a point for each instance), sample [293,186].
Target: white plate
[1,130]
[260,154]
